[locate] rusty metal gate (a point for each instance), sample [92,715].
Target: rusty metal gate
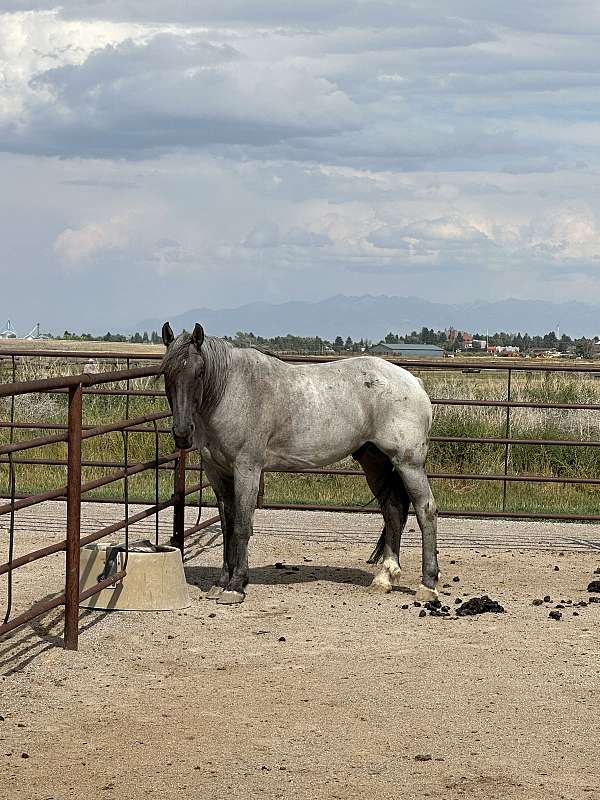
[72,492]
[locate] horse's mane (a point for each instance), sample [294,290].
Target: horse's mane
[265,352]
[216,354]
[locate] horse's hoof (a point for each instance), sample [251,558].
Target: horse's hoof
[396,580]
[214,592]
[229,597]
[380,585]
[425,594]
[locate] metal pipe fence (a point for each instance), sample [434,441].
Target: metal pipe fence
[74,435]
[75,388]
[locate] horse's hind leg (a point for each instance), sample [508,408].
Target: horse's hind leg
[388,487]
[412,470]
[246,482]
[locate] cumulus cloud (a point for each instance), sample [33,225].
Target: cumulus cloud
[563,239]
[136,98]
[78,246]
[568,233]
[367,84]
[434,241]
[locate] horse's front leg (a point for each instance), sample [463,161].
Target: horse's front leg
[223,488]
[246,479]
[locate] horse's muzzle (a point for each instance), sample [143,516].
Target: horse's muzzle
[183,441]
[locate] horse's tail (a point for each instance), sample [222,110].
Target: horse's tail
[393,487]
[377,554]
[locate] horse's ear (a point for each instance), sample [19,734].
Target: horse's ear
[167,334]
[197,336]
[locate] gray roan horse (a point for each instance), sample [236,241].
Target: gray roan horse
[245,411]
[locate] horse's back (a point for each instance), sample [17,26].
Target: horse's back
[368,376]
[323,412]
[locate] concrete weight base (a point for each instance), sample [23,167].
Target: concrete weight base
[155,581]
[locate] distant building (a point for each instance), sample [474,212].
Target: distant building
[407,350]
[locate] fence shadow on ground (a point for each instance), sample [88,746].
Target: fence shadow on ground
[23,646]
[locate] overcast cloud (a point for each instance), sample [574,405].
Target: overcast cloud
[157,156]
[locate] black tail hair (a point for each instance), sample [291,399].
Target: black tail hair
[393,485]
[377,554]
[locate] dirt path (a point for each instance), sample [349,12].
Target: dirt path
[314,688]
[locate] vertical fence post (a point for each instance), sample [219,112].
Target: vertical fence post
[73,519]
[507,436]
[12,489]
[179,502]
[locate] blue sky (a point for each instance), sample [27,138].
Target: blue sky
[159,156]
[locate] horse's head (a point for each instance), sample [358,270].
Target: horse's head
[183,369]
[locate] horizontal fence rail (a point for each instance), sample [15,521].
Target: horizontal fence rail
[118,384]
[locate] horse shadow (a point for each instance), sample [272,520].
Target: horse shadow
[270,575]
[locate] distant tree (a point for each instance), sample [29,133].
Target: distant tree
[338,344]
[349,344]
[565,343]
[583,347]
[425,336]
[391,338]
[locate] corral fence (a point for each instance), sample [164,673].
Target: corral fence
[73,435]
[122,381]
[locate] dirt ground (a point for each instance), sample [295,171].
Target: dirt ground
[314,688]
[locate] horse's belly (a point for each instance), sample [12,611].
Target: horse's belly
[310,448]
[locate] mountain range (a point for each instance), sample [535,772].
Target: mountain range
[372,316]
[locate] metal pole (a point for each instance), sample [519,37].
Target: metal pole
[179,503]
[73,519]
[507,436]
[156,483]
[126,478]
[12,488]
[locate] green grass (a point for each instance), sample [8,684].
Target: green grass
[562,461]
